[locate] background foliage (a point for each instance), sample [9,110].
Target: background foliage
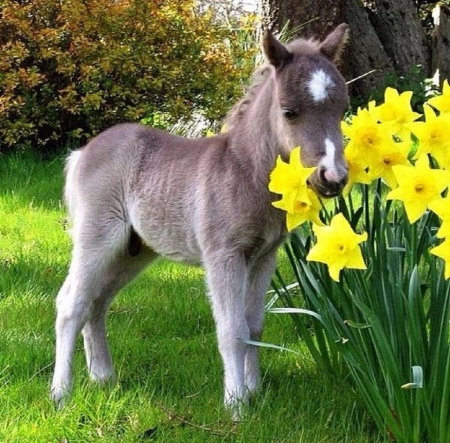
[72,68]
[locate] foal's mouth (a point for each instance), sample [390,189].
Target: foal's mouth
[331,194]
[329,190]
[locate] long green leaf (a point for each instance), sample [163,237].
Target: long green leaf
[296,311]
[267,345]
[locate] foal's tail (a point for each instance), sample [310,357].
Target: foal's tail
[70,194]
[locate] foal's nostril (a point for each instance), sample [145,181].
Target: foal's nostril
[322,175]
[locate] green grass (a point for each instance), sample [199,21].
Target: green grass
[162,339]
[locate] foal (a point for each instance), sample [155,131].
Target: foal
[135,193]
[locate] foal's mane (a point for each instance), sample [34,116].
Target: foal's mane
[261,75]
[259,78]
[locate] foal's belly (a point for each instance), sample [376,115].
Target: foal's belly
[172,253]
[169,239]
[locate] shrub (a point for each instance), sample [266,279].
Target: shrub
[72,68]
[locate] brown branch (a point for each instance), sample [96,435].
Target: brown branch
[210,428]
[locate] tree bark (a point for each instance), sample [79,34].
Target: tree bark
[365,56]
[307,15]
[386,37]
[400,31]
[441,42]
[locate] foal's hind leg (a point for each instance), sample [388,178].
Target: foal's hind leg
[124,269]
[98,270]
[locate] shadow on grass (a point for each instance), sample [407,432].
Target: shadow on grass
[29,181]
[21,279]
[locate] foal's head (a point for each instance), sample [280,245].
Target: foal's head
[310,99]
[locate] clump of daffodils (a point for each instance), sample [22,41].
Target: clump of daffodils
[409,152]
[337,244]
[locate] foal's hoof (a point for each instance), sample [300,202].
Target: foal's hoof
[237,407]
[59,396]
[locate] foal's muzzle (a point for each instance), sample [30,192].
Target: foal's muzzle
[328,184]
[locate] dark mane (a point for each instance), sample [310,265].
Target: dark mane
[236,113]
[301,46]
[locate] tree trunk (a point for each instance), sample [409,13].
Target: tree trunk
[400,31]
[441,42]
[307,15]
[365,57]
[386,37]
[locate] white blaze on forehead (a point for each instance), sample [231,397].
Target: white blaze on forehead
[319,84]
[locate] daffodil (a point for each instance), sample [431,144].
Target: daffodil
[357,170]
[300,211]
[290,178]
[290,181]
[418,186]
[396,112]
[441,208]
[443,251]
[432,135]
[387,156]
[366,137]
[442,102]
[337,246]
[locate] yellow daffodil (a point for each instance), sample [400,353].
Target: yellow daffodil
[442,102]
[366,137]
[337,246]
[443,251]
[387,156]
[357,170]
[441,208]
[432,135]
[418,186]
[290,177]
[298,211]
[371,146]
[290,181]
[396,112]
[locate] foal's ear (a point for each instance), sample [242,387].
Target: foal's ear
[333,45]
[275,52]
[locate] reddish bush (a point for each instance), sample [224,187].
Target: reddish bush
[71,68]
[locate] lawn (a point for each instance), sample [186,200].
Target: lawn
[163,343]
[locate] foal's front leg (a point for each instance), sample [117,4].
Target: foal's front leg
[259,280]
[227,281]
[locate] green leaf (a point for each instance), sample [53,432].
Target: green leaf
[296,311]
[356,325]
[262,344]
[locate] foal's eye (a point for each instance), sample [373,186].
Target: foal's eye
[289,114]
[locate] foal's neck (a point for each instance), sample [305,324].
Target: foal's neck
[255,137]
